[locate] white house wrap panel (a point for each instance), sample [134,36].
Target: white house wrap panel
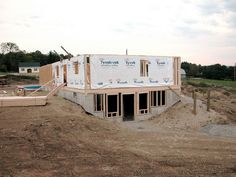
[114,71]
[73,80]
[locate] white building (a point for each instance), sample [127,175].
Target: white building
[29,67]
[124,87]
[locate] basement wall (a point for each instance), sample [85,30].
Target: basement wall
[86,101]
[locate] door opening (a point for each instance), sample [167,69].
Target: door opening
[29,70]
[128,107]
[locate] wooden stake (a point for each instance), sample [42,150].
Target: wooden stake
[208,99]
[193,92]
[194,103]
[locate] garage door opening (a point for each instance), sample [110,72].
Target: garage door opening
[128,107]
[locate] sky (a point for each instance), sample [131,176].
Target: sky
[199,31]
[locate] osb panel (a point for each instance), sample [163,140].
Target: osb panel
[45,74]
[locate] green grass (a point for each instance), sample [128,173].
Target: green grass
[227,84]
[208,82]
[16,77]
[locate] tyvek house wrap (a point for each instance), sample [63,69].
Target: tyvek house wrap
[76,80]
[73,80]
[109,71]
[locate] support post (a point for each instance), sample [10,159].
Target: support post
[194,103]
[208,99]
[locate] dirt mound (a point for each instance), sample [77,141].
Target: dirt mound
[181,116]
[222,100]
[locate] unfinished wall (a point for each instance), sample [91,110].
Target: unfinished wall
[86,101]
[75,76]
[171,99]
[45,74]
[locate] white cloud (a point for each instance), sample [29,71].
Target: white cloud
[192,29]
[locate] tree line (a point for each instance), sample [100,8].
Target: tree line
[11,55]
[216,71]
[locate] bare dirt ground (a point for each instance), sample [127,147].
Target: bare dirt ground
[222,101]
[60,139]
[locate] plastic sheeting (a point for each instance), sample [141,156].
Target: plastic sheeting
[113,71]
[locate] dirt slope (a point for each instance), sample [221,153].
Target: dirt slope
[222,101]
[59,139]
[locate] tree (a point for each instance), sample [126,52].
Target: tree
[8,47]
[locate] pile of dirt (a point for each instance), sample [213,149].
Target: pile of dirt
[222,100]
[181,116]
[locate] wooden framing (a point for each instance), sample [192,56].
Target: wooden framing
[76,67]
[158,103]
[122,103]
[65,73]
[112,114]
[144,68]
[87,76]
[176,71]
[179,72]
[159,97]
[143,111]
[122,90]
[104,106]
[96,102]
[153,98]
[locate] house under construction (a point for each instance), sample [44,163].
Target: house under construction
[124,87]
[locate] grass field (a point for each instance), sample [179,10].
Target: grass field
[208,82]
[17,77]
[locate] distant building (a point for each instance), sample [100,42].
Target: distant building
[29,67]
[183,73]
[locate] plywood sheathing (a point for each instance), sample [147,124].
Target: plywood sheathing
[45,74]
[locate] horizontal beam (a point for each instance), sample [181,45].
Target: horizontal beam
[122,90]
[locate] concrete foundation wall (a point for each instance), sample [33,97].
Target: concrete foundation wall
[87,102]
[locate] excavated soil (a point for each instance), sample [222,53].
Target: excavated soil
[60,139]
